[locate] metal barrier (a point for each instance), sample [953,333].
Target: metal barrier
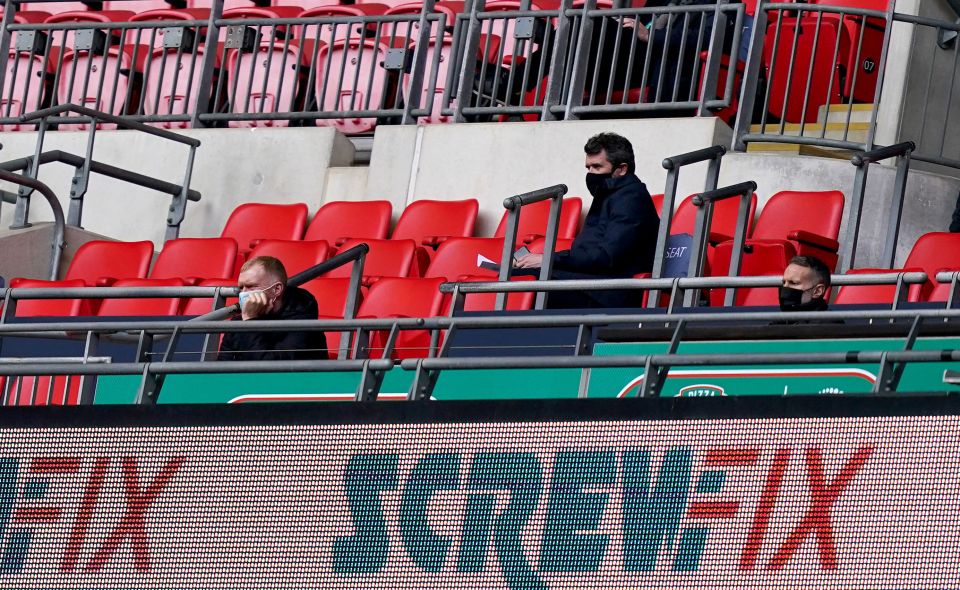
[56,247]
[804,79]
[85,165]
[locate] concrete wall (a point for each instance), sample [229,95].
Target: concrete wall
[493,161]
[232,166]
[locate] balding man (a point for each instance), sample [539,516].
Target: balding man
[264,295]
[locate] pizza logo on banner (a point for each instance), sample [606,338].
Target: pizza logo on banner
[702,391]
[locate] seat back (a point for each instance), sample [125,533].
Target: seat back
[201,258]
[265,221]
[658,202]
[458,257]
[44,390]
[194,306]
[867,294]
[425,220]
[386,258]
[725,214]
[932,253]
[488,301]
[331,296]
[339,221]
[817,212]
[146,306]
[99,259]
[760,259]
[295,255]
[50,307]
[534,217]
[403,297]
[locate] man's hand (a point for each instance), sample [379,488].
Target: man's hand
[255,306]
[529,261]
[641,31]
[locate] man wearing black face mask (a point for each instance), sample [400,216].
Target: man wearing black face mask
[619,236]
[805,283]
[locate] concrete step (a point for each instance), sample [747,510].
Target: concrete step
[837,113]
[857,132]
[798,150]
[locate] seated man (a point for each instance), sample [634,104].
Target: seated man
[805,283]
[619,236]
[264,295]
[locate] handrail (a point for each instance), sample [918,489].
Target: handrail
[862,160]
[721,194]
[514,205]
[58,220]
[701,155]
[108,118]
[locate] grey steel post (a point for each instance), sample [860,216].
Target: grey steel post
[717,38]
[81,181]
[58,220]
[21,213]
[546,266]
[420,53]
[890,373]
[881,72]
[896,209]
[848,249]
[178,204]
[9,11]
[468,68]
[370,382]
[739,239]
[558,62]
[208,66]
[88,383]
[751,78]
[578,78]
[513,207]
[698,258]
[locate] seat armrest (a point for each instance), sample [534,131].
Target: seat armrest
[105,281]
[527,239]
[191,281]
[815,240]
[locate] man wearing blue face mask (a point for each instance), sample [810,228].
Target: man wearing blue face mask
[264,295]
[619,235]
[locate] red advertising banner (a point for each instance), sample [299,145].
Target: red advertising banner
[728,503]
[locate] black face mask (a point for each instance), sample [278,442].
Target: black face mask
[792,300]
[597,183]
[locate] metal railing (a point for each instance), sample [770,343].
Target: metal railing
[85,166]
[59,224]
[804,62]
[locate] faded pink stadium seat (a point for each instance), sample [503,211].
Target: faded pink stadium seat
[339,221]
[101,262]
[200,305]
[27,80]
[43,390]
[401,298]
[724,223]
[50,307]
[457,257]
[196,259]
[267,80]
[113,76]
[170,84]
[429,223]
[787,85]
[54,7]
[356,56]
[868,294]
[296,256]
[306,4]
[854,57]
[136,6]
[386,258]
[251,222]
[933,253]
[533,221]
[142,307]
[227,4]
[331,296]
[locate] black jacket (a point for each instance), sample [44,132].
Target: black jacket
[297,304]
[619,236]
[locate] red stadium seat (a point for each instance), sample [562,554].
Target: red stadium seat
[194,306]
[386,258]
[855,59]
[251,222]
[457,257]
[658,202]
[145,306]
[267,80]
[170,84]
[339,221]
[429,223]
[296,256]
[759,259]
[27,80]
[868,294]
[331,296]
[50,307]
[54,7]
[538,246]
[196,259]
[44,390]
[934,252]
[533,221]
[398,298]
[100,262]
[488,301]
[724,223]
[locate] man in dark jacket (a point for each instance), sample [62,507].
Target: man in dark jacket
[619,236]
[264,295]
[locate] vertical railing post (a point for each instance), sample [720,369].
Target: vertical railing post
[420,53]
[513,207]
[468,68]
[81,181]
[751,78]
[739,238]
[578,77]
[558,63]
[712,73]
[878,91]
[848,251]
[21,212]
[896,209]
[208,68]
[9,11]
[553,225]
[178,204]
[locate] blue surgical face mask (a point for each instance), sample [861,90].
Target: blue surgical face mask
[244,295]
